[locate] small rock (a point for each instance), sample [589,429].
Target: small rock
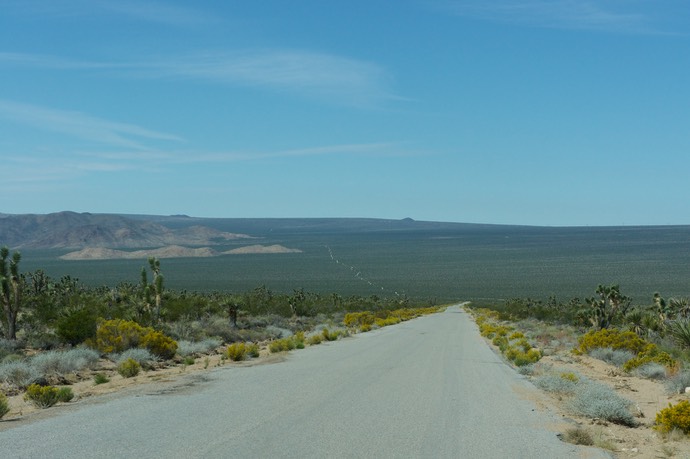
[634,450]
[687,390]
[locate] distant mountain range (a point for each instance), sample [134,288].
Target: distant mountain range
[71,230]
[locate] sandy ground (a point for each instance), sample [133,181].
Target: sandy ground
[648,396]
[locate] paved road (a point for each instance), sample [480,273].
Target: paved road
[427,388]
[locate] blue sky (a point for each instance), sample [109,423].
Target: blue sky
[537,112]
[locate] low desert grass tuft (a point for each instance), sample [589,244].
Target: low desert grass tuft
[578,436]
[100,378]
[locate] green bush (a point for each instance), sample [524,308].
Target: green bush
[674,417]
[42,396]
[129,368]
[100,378]
[4,405]
[77,326]
[65,394]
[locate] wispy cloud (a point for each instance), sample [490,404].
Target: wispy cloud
[365,149]
[604,15]
[301,71]
[82,126]
[141,10]
[333,78]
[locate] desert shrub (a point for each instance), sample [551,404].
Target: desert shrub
[674,417]
[365,328]
[524,344]
[501,342]
[65,394]
[4,405]
[521,358]
[595,400]
[63,362]
[570,376]
[253,350]
[185,348]
[281,345]
[314,340]
[650,354]
[143,357]
[161,345]
[516,335]
[329,335]
[47,363]
[611,338]
[7,347]
[578,436]
[387,321]
[355,319]
[18,373]
[77,326]
[555,384]
[651,371]
[129,368]
[42,396]
[189,360]
[100,378]
[119,335]
[677,383]
[236,352]
[617,357]
[490,330]
[298,338]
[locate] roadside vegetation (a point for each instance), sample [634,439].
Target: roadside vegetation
[649,341]
[56,332]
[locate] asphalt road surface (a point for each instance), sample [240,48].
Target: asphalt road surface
[427,388]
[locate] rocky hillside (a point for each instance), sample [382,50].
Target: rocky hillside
[79,230]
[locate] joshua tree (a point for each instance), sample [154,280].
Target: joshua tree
[155,265]
[609,306]
[10,290]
